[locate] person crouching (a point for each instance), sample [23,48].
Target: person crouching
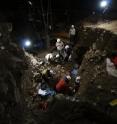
[63,85]
[49,58]
[77,84]
[68,51]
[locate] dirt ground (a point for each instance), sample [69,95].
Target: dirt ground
[97,90]
[109,25]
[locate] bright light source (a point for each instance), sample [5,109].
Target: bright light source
[30,3]
[27,43]
[103,4]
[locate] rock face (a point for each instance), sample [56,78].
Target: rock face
[12,66]
[96,91]
[96,84]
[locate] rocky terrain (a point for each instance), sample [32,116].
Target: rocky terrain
[92,104]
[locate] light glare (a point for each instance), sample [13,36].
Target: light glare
[30,3]
[27,43]
[103,3]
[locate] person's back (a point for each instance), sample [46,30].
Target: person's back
[61,85]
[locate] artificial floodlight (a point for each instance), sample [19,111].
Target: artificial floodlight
[27,43]
[103,3]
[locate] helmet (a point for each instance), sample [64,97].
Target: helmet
[58,40]
[68,77]
[72,26]
[67,46]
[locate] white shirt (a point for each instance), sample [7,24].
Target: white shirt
[59,45]
[110,67]
[42,92]
[72,31]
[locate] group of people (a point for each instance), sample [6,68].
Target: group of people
[64,50]
[63,53]
[49,85]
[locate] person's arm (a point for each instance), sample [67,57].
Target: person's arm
[109,63]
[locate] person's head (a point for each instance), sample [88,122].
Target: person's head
[67,78]
[72,26]
[67,47]
[77,79]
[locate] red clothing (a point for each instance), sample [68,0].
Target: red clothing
[114,60]
[61,85]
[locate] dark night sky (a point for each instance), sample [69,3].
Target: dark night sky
[57,4]
[18,10]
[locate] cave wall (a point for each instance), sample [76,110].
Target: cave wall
[12,66]
[97,86]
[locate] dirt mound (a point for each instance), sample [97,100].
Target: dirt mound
[97,86]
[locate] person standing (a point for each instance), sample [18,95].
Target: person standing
[60,47]
[72,34]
